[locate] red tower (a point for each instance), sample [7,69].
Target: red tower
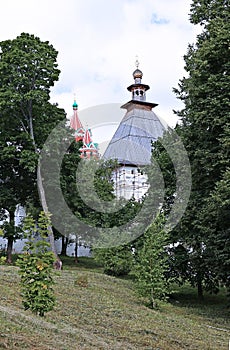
[89,149]
[76,124]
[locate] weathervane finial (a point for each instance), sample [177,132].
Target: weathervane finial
[137,62]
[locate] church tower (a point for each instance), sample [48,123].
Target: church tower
[89,148]
[132,142]
[76,124]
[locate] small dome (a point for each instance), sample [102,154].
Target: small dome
[137,74]
[75,105]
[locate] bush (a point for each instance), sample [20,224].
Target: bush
[2,260]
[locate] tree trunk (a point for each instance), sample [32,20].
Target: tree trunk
[41,191]
[57,263]
[153,302]
[199,287]
[76,250]
[65,241]
[10,242]
[10,238]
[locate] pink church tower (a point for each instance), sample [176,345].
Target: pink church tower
[89,149]
[76,124]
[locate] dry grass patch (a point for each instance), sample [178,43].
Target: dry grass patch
[106,314]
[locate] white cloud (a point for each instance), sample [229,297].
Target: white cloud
[98,41]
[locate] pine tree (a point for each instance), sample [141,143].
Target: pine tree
[36,266]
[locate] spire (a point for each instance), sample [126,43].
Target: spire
[76,124]
[138,90]
[89,149]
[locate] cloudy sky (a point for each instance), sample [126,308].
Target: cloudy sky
[98,41]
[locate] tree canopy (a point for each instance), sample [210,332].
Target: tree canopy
[28,69]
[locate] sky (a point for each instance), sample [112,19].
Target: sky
[98,41]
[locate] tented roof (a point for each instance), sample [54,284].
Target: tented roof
[131,143]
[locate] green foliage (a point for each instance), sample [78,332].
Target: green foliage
[28,69]
[116,261]
[90,198]
[152,263]
[36,267]
[204,129]
[216,225]
[9,229]
[202,11]
[2,260]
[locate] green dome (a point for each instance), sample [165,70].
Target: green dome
[75,105]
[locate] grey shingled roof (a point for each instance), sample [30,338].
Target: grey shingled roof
[131,143]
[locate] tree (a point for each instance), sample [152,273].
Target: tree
[28,70]
[36,266]
[205,93]
[151,263]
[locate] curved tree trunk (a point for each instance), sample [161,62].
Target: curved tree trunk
[58,263]
[41,191]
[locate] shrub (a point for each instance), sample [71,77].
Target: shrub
[2,260]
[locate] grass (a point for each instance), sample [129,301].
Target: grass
[84,263]
[105,313]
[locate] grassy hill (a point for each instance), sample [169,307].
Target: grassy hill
[103,312]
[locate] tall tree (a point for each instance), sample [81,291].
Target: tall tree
[205,93]
[28,69]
